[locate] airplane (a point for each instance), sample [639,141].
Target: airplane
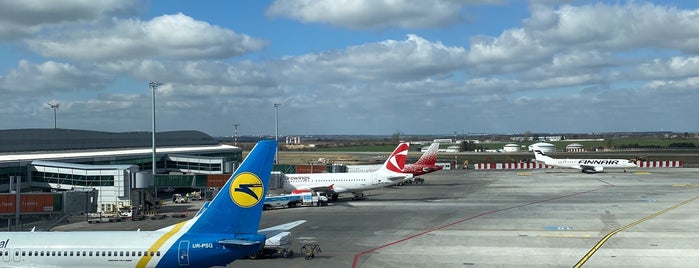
[224,230]
[335,183]
[427,163]
[585,165]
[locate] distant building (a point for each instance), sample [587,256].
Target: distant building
[542,146]
[511,148]
[116,165]
[574,147]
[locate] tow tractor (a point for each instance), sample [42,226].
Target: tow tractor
[278,244]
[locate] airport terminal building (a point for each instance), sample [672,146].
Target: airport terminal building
[117,167]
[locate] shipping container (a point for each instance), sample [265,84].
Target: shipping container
[217,180]
[311,169]
[32,203]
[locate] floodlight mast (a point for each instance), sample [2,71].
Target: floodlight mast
[276,130]
[54,106]
[154,85]
[235,135]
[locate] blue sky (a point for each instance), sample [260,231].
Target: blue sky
[351,67]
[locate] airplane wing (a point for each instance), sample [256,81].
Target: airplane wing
[274,230]
[401,176]
[326,189]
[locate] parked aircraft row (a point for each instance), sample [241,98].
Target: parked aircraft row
[393,171]
[226,228]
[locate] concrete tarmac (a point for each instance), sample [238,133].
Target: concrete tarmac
[466,218]
[537,218]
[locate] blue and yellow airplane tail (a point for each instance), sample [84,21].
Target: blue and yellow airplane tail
[237,208]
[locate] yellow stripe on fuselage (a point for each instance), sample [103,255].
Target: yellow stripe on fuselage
[159,243]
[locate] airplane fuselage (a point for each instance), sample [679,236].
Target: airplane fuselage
[120,249]
[339,182]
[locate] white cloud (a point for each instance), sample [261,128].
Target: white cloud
[412,59]
[616,27]
[21,18]
[674,67]
[371,14]
[169,36]
[51,76]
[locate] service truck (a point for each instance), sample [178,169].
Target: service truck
[295,199]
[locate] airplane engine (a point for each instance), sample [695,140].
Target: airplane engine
[592,169]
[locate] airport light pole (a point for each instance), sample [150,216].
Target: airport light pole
[235,135]
[153,85]
[276,130]
[54,106]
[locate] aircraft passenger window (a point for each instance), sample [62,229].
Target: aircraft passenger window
[109,253]
[42,253]
[30,253]
[84,253]
[71,253]
[59,253]
[121,253]
[16,253]
[90,253]
[77,253]
[133,253]
[152,253]
[65,253]
[115,253]
[53,253]
[158,253]
[103,253]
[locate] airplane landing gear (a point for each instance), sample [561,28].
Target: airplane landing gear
[358,196]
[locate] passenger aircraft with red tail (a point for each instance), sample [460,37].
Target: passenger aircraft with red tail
[426,164]
[335,183]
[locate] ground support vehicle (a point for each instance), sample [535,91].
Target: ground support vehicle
[294,200]
[309,247]
[278,244]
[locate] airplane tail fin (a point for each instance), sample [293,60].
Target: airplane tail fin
[430,156]
[396,161]
[541,156]
[237,208]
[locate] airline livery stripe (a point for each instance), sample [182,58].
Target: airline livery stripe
[159,243]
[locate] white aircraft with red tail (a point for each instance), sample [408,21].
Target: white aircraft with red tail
[335,183]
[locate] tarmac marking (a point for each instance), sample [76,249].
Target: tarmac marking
[358,255]
[612,233]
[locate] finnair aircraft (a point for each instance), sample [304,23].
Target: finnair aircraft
[426,164]
[335,183]
[585,165]
[223,231]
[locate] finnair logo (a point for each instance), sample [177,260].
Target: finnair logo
[598,162]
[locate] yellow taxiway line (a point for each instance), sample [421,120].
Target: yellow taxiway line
[612,233]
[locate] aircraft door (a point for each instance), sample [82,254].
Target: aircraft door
[183,253]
